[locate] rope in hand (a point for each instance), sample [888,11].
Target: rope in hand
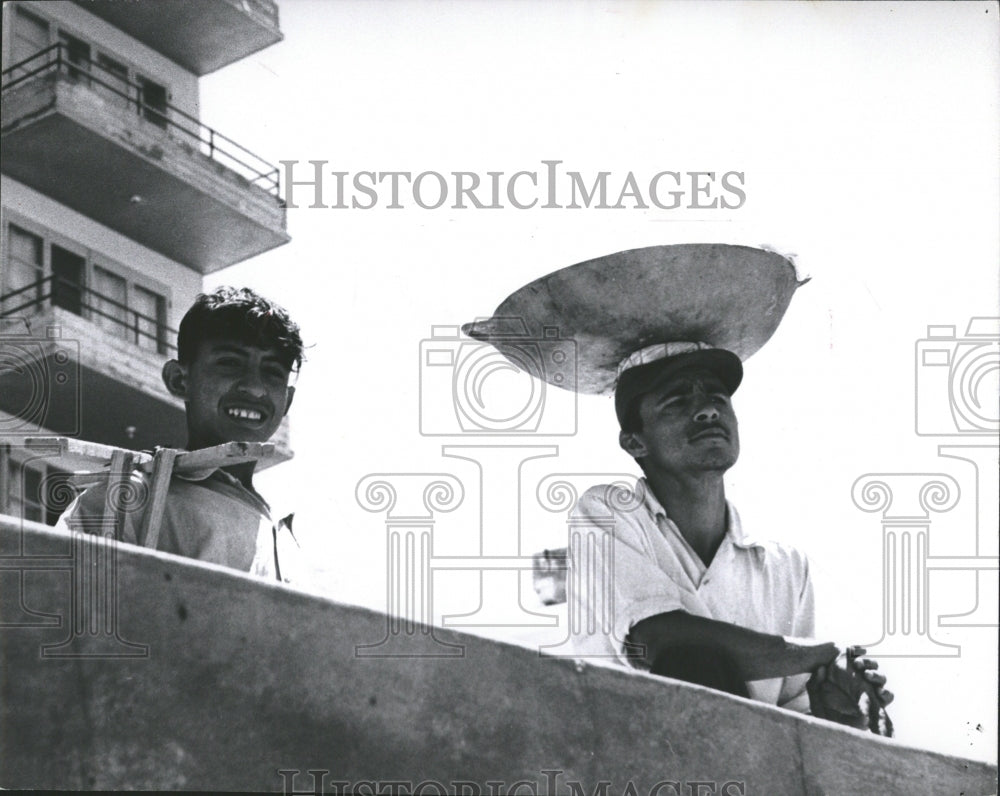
[836,692]
[878,718]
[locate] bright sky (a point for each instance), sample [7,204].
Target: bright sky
[867,134]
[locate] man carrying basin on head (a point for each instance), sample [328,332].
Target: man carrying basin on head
[664,577]
[696,597]
[236,351]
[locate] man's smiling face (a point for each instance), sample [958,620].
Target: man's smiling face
[233,392]
[688,425]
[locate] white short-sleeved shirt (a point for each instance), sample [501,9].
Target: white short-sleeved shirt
[629,561]
[210,516]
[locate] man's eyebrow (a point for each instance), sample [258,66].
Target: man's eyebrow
[273,356]
[676,389]
[685,385]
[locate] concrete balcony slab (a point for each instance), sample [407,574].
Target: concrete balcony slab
[200,35]
[151,182]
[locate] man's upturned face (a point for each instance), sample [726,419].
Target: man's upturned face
[234,393]
[688,426]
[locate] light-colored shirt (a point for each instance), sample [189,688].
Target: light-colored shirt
[210,516]
[629,561]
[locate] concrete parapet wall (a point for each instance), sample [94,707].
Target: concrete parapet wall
[244,678]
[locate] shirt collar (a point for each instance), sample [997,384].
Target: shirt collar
[200,475]
[217,473]
[734,528]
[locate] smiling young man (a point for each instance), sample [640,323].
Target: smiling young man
[690,594]
[236,351]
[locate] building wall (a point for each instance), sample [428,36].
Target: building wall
[182,86]
[139,265]
[107,351]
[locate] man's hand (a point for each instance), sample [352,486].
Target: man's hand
[851,692]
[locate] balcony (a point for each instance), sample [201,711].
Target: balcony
[200,35]
[76,363]
[104,147]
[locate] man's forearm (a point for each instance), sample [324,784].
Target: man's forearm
[757,656]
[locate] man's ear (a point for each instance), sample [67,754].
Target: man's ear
[631,444]
[288,401]
[175,378]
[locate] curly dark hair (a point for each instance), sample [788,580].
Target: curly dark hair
[242,315]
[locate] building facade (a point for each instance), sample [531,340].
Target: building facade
[116,202]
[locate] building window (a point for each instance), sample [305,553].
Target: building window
[153,101]
[113,82]
[116,81]
[67,279]
[150,319]
[108,303]
[77,53]
[74,282]
[31,497]
[24,268]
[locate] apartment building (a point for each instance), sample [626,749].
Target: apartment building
[116,202]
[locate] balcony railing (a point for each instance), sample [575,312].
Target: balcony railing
[58,59]
[53,291]
[267,10]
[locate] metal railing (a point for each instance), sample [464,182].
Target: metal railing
[58,60]
[259,8]
[55,291]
